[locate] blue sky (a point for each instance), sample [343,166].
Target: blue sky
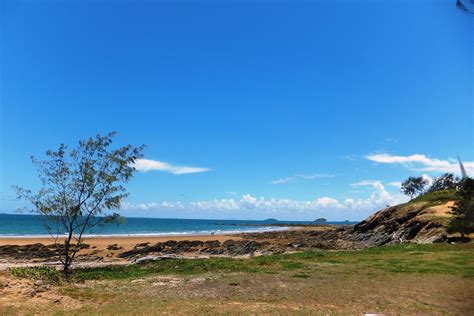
[288,109]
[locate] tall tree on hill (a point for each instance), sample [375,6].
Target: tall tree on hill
[80,190]
[414,186]
[445,182]
[463,219]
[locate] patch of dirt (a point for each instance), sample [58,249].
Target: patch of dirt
[24,293]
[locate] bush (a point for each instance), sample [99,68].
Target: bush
[46,274]
[463,220]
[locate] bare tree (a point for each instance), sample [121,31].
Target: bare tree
[81,189]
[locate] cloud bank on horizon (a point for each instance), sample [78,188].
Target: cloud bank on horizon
[251,207]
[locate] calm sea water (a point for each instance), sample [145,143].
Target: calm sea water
[33,225]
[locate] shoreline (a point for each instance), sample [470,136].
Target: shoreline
[4,239]
[123,241]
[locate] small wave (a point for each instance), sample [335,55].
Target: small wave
[161,234]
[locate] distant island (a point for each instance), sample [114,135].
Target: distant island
[270,220]
[320,220]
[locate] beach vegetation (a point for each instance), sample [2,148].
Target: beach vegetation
[463,220]
[408,258]
[81,188]
[289,282]
[437,197]
[47,274]
[414,186]
[445,182]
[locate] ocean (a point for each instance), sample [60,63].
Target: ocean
[13,225]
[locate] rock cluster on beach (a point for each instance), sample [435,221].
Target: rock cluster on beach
[28,252]
[210,247]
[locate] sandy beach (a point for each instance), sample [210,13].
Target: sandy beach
[126,241]
[99,245]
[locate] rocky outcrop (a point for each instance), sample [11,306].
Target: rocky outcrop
[412,222]
[417,223]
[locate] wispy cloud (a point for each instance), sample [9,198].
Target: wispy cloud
[396,184]
[421,162]
[145,165]
[365,183]
[284,180]
[375,183]
[298,177]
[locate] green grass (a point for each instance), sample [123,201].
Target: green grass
[310,282]
[47,274]
[436,198]
[406,258]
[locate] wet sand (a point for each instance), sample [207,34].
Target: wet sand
[126,242]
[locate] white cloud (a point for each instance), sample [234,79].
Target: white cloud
[429,180]
[251,207]
[329,202]
[284,180]
[365,183]
[420,162]
[145,165]
[396,184]
[301,177]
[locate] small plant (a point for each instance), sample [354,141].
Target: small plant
[46,274]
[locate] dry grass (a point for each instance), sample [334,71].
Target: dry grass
[406,279]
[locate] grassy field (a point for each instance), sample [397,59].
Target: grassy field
[402,279]
[437,197]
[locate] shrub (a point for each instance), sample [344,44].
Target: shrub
[46,274]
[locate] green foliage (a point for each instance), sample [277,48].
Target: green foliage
[81,188]
[46,274]
[445,182]
[463,220]
[414,186]
[437,197]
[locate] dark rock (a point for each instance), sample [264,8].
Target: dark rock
[114,247]
[241,247]
[144,244]
[212,243]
